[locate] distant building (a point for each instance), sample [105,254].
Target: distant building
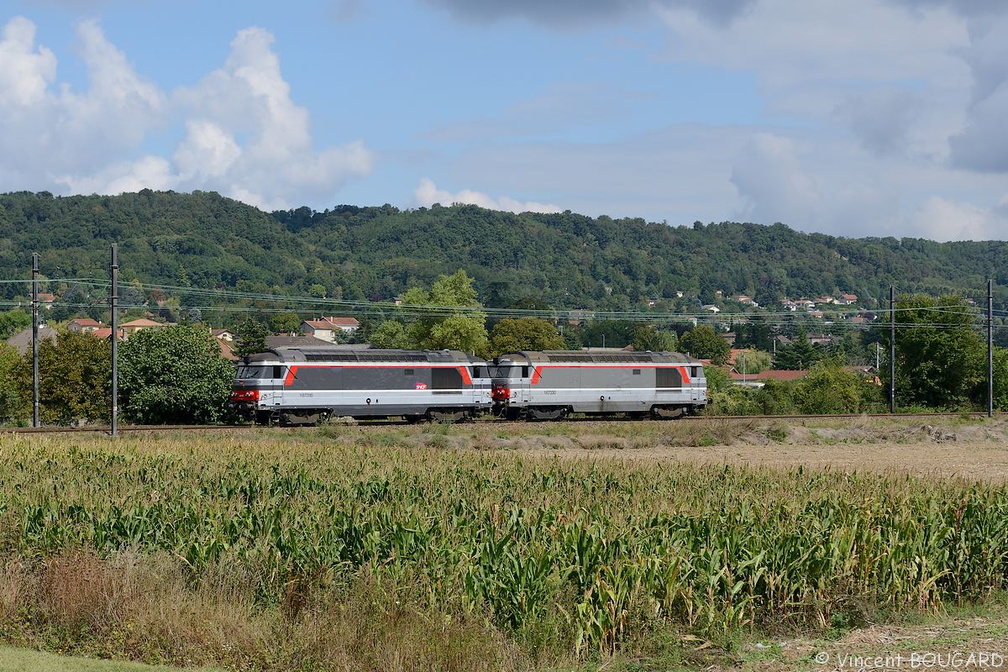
[106,333]
[83,325]
[746,300]
[760,379]
[22,341]
[133,326]
[281,340]
[223,335]
[46,299]
[326,328]
[846,300]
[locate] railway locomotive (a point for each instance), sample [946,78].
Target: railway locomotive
[293,385]
[548,385]
[296,385]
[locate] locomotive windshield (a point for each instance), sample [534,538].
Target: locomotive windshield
[249,371]
[506,371]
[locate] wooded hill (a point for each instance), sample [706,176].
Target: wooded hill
[373,253]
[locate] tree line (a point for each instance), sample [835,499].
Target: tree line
[201,240]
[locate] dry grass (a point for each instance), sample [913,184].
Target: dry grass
[146,609]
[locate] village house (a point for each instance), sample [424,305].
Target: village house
[846,300]
[106,333]
[223,335]
[46,299]
[139,324]
[820,339]
[746,300]
[327,328]
[83,325]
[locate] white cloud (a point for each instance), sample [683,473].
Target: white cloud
[942,219]
[149,172]
[46,132]
[427,194]
[244,136]
[812,185]
[26,71]
[769,177]
[207,151]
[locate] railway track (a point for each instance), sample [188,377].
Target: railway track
[123,429]
[130,429]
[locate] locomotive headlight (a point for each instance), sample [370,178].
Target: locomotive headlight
[245,395]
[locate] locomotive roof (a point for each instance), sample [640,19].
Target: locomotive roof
[297,353]
[591,357]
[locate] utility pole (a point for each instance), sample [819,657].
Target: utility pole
[892,349]
[35,342]
[990,349]
[114,301]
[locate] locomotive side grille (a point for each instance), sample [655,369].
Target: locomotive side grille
[363,357]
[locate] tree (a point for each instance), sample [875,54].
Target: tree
[705,343]
[718,379]
[12,321]
[250,337]
[174,375]
[75,380]
[608,333]
[390,334]
[828,388]
[10,403]
[458,332]
[1001,379]
[525,333]
[754,334]
[648,337]
[285,323]
[450,316]
[940,358]
[753,361]
[798,355]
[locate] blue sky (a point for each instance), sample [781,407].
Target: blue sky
[848,117]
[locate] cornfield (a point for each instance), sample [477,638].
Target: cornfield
[595,551]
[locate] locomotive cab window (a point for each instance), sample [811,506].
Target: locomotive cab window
[260,372]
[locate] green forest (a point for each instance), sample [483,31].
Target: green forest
[564,261]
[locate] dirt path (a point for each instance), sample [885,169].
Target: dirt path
[964,642]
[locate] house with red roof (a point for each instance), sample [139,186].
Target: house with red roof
[83,325]
[327,328]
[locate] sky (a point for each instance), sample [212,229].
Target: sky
[852,118]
